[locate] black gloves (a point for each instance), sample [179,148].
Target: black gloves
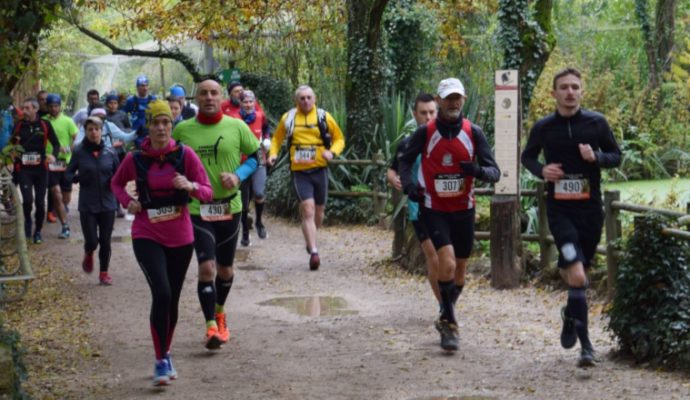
[471,169]
[414,193]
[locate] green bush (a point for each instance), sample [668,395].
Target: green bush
[280,195]
[650,314]
[11,340]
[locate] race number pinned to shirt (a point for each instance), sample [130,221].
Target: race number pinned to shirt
[449,185]
[305,155]
[162,214]
[216,211]
[57,166]
[572,187]
[31,159]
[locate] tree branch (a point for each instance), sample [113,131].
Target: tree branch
[173,54]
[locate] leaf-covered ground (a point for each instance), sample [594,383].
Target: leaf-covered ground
[85,341]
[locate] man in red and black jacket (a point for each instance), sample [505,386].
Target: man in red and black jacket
[33,134]
[454,152]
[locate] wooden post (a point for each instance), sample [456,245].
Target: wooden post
[379,202]
[546,249]
[612,225]
[505,243]
[398,227]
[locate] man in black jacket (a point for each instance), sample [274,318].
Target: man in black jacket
[576,143]
[33,134]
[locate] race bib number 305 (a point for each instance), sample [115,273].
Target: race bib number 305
[449,185]
[31,159]
[57,166]
[305,155]
[215,212]
[162,214]
[571,189]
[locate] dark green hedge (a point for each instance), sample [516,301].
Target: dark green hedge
[650,314]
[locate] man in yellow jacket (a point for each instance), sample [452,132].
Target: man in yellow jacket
[313,138]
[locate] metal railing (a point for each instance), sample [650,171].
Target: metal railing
[15,267]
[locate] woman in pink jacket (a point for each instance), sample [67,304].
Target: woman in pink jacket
[166,175]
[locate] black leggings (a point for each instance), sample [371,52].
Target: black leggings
[98,229]
[165,269]
[31,181]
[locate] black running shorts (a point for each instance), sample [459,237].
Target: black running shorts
[58,178]
[454,228]
[420,230]
[311,184]
[216,240]
[576,233]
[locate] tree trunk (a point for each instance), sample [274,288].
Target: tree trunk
[527,40]
[658,39]
[364,84]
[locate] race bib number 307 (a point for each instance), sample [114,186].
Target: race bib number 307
[215,212]
[449,185]
[305,155]
[162,214]
[571,189]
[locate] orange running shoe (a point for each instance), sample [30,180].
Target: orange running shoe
[223,331]
[213,340]
[50,217]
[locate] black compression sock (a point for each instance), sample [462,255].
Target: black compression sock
[223,289]
[577,309]
[447,288]
[457,292]
[259,211]
[245,220]
[207,298]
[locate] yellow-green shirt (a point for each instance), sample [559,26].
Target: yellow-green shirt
[219,147]
[65,130]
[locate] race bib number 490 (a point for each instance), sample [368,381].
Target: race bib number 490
[571,189]
[215,212]
[449,185]
[157,215]
[31,159]
[305,155]
[57,166]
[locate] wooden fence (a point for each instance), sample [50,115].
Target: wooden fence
[378,194]
[15,268]
[612,228]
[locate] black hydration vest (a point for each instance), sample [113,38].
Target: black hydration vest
[147,196]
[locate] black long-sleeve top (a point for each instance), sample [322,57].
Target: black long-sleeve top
[96,166]
[414,145]
[32,137]
[559,138]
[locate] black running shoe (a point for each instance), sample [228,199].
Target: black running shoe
[449,336]
[261,231]
[587,357]
[437,325]
[245,239]
[568,334]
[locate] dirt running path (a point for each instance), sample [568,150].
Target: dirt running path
[383,347]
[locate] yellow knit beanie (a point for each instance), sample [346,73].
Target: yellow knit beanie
[158,108]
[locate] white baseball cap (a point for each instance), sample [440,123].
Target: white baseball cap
[449,86]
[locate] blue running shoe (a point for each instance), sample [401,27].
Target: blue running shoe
[172,372]
[160,373]
[65,233]
[37,238]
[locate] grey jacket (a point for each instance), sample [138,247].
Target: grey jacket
[95,172]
